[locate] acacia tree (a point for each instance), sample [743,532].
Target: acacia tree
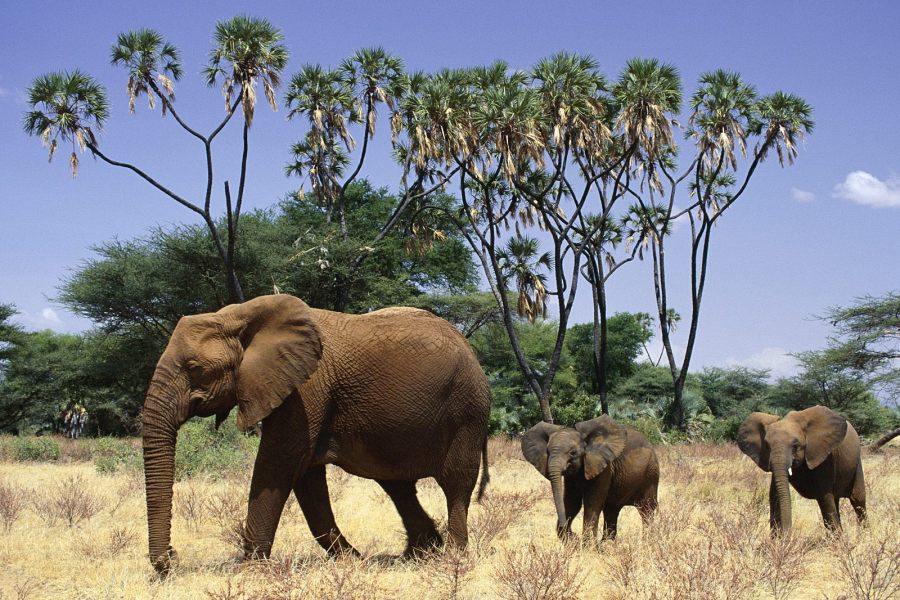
[71,107]
[727,117]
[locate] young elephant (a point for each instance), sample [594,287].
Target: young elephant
[817,451]
[604,465]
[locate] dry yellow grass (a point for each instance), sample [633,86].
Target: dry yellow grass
[710,540]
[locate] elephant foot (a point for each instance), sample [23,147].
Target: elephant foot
[164,563]
[422,545]
[256,551]
[339,547]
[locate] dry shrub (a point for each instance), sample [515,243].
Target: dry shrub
[669,521]
[190,504]
[346,577]
[534,573]
[232,533]
[132,487]
[498,511]
[225,506]
[22,589]
[118,541]
[447,571]
[503,448]
[70,501]
[234,589]
[870,567]
[337,482]
[783,563]
[12,502]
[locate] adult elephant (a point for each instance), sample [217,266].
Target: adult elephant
[815,450]
[598,463]
[394,395]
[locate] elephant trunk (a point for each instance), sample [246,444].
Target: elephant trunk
[780,464]
[162,416]
[556,484]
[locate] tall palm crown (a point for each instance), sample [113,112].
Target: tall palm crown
[247,50]
[785,119]
[520,261]
[439,119]
[372,72]
[647,93]
[66,107]
[572,91]
[149,59]
[325,97]
[643,225]
[723,112]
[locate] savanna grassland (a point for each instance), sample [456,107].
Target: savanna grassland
[68,531]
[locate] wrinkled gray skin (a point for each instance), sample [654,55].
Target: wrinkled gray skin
[395,395]
[599,464]
[815,450]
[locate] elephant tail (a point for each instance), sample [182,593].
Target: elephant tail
[485,473]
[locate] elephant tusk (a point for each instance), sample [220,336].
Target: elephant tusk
[790,471]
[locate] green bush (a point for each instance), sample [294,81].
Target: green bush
[722,430]
[649,426]
[38,449]
[579,407]
[203,450]
[111,454]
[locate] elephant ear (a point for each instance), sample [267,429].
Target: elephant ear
[534,445]
[282,348]
[825,430]
[604,441]
[751,438]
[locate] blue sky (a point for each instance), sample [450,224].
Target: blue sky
[804,238]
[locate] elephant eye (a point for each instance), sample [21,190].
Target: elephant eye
[572,452]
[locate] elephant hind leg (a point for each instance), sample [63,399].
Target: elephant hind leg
[858,494]
[457,479]
[648,506]
[421,533]
[312,494]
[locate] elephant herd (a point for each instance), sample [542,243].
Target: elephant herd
[397,395]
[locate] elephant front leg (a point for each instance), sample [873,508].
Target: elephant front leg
[595,494]
[312,494]
[282,459]
[573,494]
[830,512]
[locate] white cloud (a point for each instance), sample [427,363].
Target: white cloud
[777,360]
[802,195]
[864,188]
[49,316]
[46,319]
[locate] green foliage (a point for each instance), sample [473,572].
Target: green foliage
[580,406]
[112,454]
[203,450]
[867,344]
[513,404]
[733,390]
[626,334]
[35,449]
[649,426]
[468,312]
